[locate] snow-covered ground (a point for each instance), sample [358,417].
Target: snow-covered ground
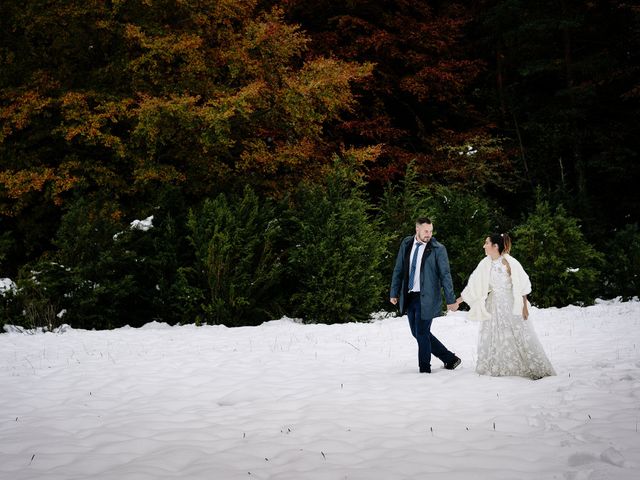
[291,401]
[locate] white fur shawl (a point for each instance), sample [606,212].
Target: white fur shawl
[477,289]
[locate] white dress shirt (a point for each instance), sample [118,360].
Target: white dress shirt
[416,279]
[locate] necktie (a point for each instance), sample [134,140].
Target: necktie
[412,269]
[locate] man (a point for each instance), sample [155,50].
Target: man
[421,272]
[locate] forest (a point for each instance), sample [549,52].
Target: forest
[236,161]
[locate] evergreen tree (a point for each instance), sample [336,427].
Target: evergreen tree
[238,269]
[336,253]
[106,272]
[564,268]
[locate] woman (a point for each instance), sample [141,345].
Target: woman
[497,294]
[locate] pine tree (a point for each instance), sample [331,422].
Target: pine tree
[336,253]
[564,268]
[238,269]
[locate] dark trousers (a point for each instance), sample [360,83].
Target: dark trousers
[421,330]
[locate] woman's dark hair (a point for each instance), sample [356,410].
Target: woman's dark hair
[502,240]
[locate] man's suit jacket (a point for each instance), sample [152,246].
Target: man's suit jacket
[435,275]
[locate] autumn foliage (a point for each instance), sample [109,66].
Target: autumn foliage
[123,95]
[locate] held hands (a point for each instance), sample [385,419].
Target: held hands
[454,306]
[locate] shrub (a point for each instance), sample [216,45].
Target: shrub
[337,250]
[563,267]
[237,269]
[104,273]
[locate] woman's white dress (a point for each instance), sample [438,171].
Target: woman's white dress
[508,344]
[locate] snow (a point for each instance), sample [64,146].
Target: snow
[6,285]
[286,401]
[144,225]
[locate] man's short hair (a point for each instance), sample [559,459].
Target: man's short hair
[422,220]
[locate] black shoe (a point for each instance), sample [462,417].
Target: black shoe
[453,363]
[425,370]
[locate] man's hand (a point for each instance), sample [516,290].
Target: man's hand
[453,307]
[394,300]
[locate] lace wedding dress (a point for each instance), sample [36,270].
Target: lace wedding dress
[508,344]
